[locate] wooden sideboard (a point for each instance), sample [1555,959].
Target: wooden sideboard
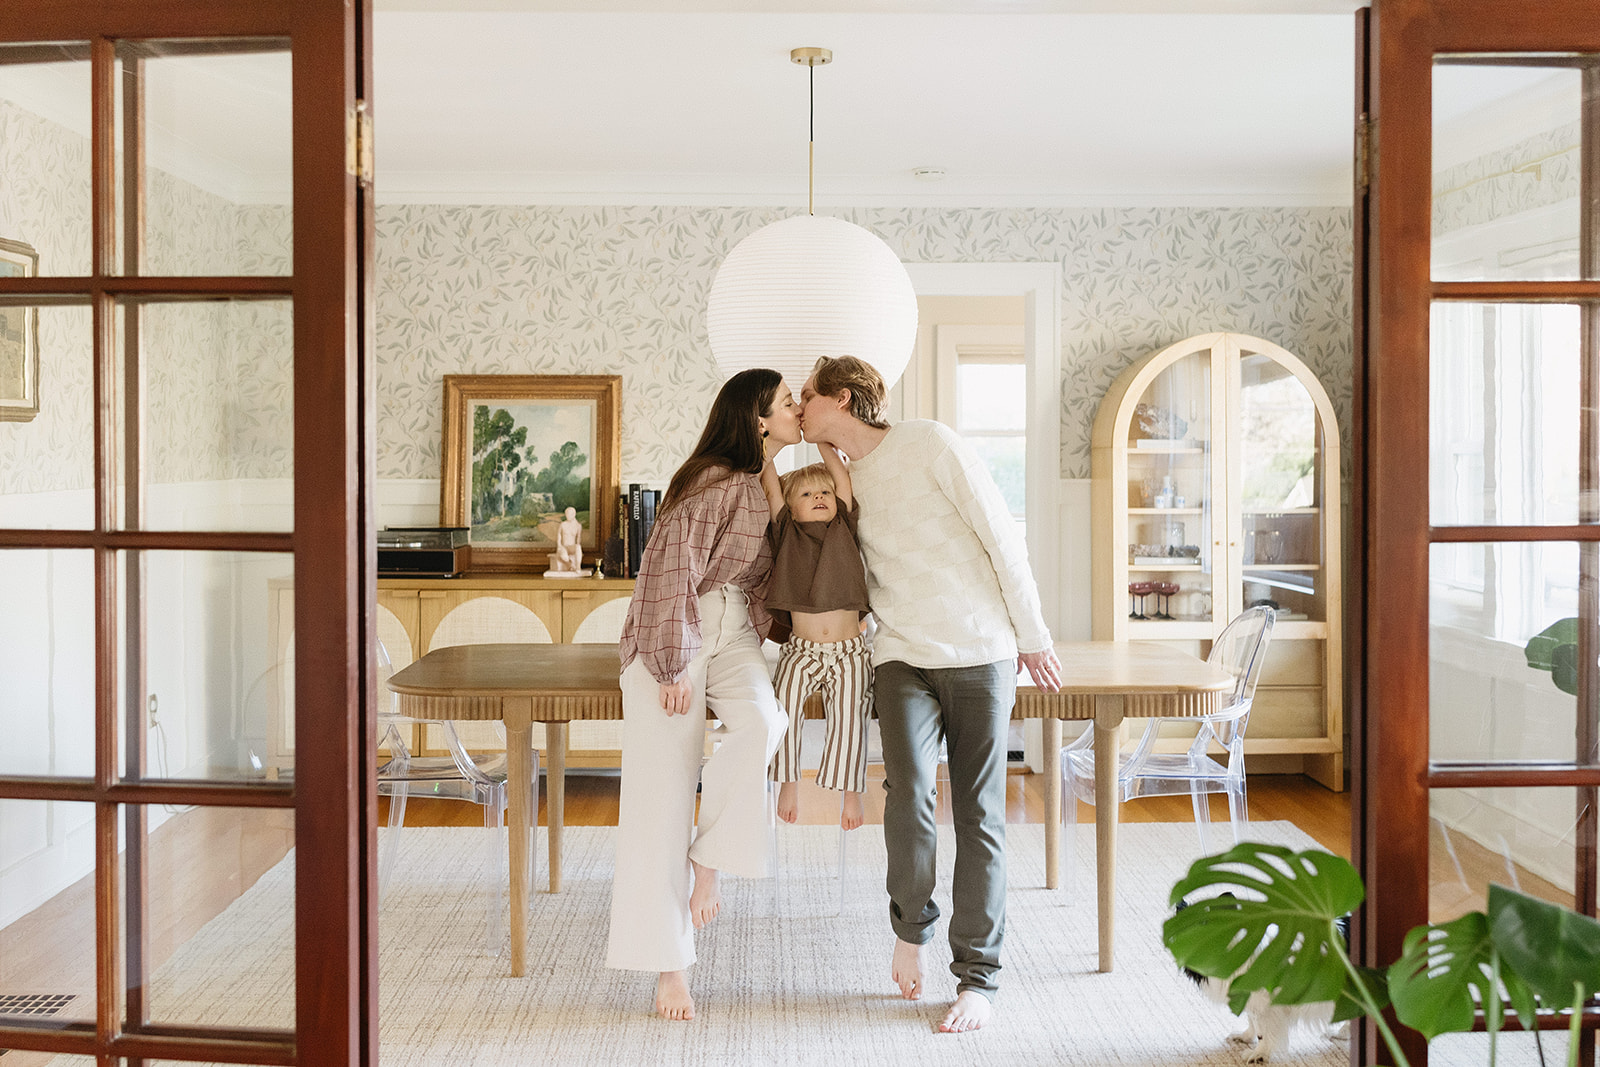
[416,615]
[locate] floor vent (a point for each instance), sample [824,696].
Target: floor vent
[1015,755]
[34,1005]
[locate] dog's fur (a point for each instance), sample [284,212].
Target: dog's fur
[1267,1026]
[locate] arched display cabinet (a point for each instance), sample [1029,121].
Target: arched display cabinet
[1216,486]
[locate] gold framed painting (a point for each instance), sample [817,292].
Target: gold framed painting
[19,339]
[518,450]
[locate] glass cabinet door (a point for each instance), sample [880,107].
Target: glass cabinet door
[1170,498]
[1281,436]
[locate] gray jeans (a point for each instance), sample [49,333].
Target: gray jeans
[969,708]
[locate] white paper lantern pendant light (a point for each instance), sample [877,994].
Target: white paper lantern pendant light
[811,286]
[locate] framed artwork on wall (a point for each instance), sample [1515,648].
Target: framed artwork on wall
[518,450]
[19,339]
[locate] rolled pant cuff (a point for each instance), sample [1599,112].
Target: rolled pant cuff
[912,933]
[989,992]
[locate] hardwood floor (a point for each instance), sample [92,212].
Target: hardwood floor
[203,859]
[1325,815]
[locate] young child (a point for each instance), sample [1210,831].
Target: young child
[819,587]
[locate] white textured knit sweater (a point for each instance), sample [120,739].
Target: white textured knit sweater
[947,569]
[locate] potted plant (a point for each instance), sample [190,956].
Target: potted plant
[1266,915]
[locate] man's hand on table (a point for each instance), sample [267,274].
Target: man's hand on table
[1043,668]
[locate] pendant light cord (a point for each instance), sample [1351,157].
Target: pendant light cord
[811,166]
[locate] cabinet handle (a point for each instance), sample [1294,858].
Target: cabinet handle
[431,594]
[568,594]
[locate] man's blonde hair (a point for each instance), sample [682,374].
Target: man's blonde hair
[812,477]
[869,397]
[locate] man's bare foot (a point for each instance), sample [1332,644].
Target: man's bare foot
[706,900]
[789,801]
[851,815]
[970,1011]
[672,996]
[907,969]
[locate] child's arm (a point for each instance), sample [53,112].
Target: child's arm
[772,487]
[841,477]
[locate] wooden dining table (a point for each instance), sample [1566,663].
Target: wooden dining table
[557,684]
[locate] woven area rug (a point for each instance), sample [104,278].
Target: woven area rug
[807,987]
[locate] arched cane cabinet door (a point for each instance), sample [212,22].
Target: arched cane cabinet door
[182,406]
[1478,739]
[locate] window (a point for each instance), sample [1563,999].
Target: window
[982,379]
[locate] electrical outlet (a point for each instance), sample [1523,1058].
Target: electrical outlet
[153,708]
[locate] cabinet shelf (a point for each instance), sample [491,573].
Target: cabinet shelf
[1166,511]
[1281,511]
[1166,451]
[1254,567]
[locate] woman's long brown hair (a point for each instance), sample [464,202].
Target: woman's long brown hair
[732,437]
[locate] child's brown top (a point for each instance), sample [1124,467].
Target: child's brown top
[816,566]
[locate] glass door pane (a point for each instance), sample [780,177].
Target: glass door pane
[1504,414]
[215,157]
[1170,505]
[1506,171]
[44,155]
[1280,498]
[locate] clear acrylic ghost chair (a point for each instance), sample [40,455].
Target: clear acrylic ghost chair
[457,776]
[1241,649]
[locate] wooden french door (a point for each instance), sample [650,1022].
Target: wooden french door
[1478,476]
[185,427]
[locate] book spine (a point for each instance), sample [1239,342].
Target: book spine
[635,526]
[652,497]
[623,570]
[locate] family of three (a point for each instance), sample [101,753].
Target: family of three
[914,529]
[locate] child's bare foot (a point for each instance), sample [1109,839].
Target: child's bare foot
[672,996]
[789,801]
[906,967]
[706,900]
[851,815]
[970,1011]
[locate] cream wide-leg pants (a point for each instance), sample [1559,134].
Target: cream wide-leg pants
[661,754]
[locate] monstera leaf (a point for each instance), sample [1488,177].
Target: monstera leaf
[1277,932]
[1554,949]
[1350,1004]
[1446,972]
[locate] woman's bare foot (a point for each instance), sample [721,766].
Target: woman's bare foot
[706,900]
[970,1011]
[672,996]
[906,967]
[789,801]
[851,815]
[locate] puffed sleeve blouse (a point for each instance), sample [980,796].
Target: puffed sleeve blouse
[715,536]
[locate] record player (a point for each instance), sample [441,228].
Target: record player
[424,551]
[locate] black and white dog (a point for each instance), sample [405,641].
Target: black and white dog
[1267,1026]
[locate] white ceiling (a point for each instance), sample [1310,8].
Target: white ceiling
[698,107]
[1019,102]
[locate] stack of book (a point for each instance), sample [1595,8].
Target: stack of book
[638,518]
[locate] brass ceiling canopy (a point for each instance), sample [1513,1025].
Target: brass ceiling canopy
[811,57]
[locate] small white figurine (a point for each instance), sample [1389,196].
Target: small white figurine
[567,559]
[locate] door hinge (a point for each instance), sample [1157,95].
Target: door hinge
[1363,153]
[358,143]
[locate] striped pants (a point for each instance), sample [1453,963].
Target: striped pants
[842,672]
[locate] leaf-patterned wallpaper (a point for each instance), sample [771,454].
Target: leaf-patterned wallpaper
[603,290]
[216,376]
[622,290]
